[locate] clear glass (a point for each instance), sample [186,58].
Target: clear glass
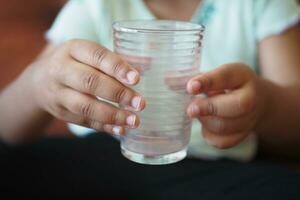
[167,54]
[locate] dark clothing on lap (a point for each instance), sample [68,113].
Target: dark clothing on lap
[93,167]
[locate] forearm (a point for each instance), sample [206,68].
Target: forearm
[281,118]
[21,119]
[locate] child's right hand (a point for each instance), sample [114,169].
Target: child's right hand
[67,81]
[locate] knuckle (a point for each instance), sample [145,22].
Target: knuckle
[86,109]
[91,82]
[208,82]
[68,43]
[82,121]
[52,92]
[95,125]
[117,67]
[61,112]
[120,94]
[55,68]
[98,55]
[211,108]
[71,43]
[116,117]
[58,68]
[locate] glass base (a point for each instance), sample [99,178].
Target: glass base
[154,160]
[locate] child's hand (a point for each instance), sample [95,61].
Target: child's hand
[233,106]
[66,85]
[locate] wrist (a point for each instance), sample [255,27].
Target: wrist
[267,95]
[27,87]
[23,119]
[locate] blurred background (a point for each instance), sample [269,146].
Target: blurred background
[22,28]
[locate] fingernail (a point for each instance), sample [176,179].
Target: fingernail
[136,102]
[116,130]
[131,120]
[131,77]
[195,110]
[196,85]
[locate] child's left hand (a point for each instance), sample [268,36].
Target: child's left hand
[233,105]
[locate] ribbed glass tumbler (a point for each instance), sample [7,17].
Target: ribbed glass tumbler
[167,55]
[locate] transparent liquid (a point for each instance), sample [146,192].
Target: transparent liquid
[167,54]
[165,127]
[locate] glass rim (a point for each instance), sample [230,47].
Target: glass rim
[124,27]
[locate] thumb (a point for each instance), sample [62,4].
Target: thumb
[225,77]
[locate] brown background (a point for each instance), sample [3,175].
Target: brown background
[22,27]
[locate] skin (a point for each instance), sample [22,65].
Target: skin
[63,81]
[252,103]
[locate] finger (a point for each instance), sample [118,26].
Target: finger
[94,110]
[104,60]
[223,141]
[67,116]
[64,114]
[175,82]
[70,117]
[215,93]
[227,126]
[90,81]
[116,130]
[229,76]
[178,80]
[233,104]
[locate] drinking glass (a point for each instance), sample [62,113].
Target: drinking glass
[167,55]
